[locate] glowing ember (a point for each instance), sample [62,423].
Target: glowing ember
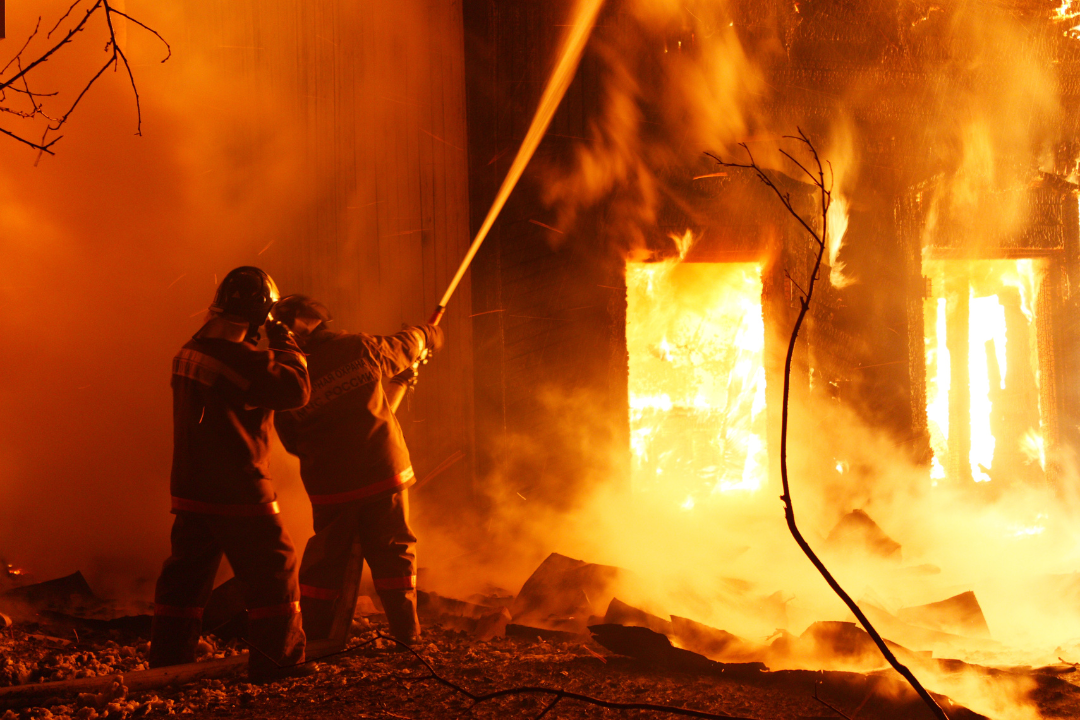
[1034,447]
[695,337]
[984,310]
[1068,11]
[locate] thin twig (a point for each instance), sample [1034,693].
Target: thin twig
[168,47]
[825,190]
[559,694]
[792,281]
[64,41]
[550,705]
[835,710]
[63,17]
[127,66]
[26,44]
[19,83]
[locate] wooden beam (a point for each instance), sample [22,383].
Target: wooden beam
[27,695]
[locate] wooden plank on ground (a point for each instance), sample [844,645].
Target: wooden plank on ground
[26,695]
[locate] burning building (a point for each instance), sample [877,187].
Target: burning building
[616,358]
[946,321]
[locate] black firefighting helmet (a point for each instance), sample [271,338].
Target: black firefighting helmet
[246,292]
[291,307]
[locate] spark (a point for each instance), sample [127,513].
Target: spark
[537,222]
[444,142]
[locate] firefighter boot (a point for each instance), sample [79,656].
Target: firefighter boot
[173,640]
[277,645]
[318,617]
[400,607]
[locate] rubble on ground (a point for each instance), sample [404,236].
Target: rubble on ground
[626,654]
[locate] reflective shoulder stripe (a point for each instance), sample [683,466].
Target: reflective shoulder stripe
[178,611]
[393,483]
[270,611]
[318,593]
[407,582]
[205,369]
[241,510]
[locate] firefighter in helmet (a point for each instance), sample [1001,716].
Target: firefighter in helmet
[225,392]
[354,464]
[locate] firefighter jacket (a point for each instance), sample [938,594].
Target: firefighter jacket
[224,397]
[349,441]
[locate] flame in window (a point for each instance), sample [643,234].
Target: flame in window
[695,338]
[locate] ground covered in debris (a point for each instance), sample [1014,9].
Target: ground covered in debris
[549,637]
[379,680]
[385,682]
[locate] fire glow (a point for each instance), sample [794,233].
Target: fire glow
[695,338]
[984,310]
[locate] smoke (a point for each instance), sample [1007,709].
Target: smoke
[999,119]
[112,250]
[676,81]
[729,561]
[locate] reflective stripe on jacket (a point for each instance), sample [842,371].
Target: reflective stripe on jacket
[224,397]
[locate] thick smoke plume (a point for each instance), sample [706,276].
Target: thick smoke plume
[112,250]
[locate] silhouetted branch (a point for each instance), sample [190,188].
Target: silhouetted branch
[559,693]
[825,190]
[19,82]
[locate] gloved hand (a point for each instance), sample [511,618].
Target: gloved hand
[279,334]
[408,376]
[433,334]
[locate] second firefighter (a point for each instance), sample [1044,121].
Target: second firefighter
[354,465]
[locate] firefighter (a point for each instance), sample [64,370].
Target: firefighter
[225,392]
[354,464]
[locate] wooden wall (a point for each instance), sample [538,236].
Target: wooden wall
[550,359]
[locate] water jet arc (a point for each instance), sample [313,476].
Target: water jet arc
[573,46]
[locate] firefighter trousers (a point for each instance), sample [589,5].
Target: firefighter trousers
[264,560]
[381,525]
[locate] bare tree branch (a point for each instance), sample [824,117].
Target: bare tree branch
[825,191]
[559,694]
[64,17]
[19,81]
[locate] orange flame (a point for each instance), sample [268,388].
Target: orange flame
[695,337]
[988,285]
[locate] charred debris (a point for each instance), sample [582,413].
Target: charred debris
[564,638]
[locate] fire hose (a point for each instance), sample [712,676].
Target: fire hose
[573,46]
